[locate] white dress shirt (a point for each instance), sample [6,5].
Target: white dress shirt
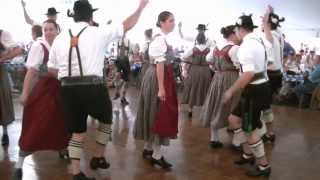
[276,52]
[158,48]
[252,55]
[93,43]
[36,54]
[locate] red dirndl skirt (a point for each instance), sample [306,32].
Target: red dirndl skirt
[43,123]
[166,122]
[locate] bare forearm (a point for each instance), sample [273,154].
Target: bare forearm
[27,17]
[29,81]
[11,54]
[160,75]
[132,20]
[53,72]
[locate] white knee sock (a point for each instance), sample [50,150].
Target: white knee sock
[239,137]
[214,135]
[157,154]
[19,163]
[258,149]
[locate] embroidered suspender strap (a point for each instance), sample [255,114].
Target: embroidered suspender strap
[46,54]
[261,75]
[74,43]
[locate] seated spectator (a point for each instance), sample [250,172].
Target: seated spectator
[312,80]
[292,65]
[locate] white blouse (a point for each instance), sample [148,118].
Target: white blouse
[158,48]
[233,54]
[189,53]
[36,54]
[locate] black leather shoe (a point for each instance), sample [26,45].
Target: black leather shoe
[243,161]
[146,154]
[81,176]
[269,138]
[99,163]
[257,172]
[124,102]
[236,148]
[161,162]
[5,140]
[116,96]
[64,154]
[216,145]
[230,131]
[17,175]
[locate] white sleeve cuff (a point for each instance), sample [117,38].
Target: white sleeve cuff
[248,68]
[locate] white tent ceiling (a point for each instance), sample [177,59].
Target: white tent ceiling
[302,17]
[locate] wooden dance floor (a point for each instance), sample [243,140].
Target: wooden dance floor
[295,155]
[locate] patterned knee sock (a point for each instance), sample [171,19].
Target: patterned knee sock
[75,149]
[103,133]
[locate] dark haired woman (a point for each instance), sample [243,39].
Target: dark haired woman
[157,116]
[198,73]
[43,123]
[225,63]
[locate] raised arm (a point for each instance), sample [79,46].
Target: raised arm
[266,25]
[190,39]
[180,30]
[132,20]
[26,16]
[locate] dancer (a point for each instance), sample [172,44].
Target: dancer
[255,87]
[8,50]
[226,67]
[51,14]
[271,24]
[43,122]
[123,66]
[157,117]
[202,28]
[198,78]
[78,62]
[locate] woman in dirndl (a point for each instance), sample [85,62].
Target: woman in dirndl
[8,50]
[225,64]
[6,104]
[157,117]
[43,121]
[198,78]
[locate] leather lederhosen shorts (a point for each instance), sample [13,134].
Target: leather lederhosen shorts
[254,99]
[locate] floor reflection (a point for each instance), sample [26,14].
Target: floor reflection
[297,145]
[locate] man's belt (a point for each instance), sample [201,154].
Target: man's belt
[258,76]
[81,81]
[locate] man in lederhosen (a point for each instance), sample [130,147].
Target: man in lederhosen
[77,58]
[253,81]
[271,24]
[123,65]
